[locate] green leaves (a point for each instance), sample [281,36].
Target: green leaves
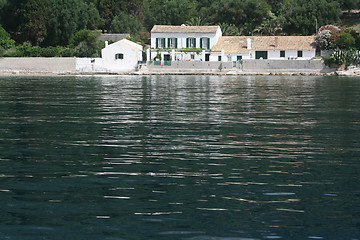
[5,39]
[168,12]
[126,23]
[304,15]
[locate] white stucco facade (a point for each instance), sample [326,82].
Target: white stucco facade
[162,43]
[121,56]
[168,43]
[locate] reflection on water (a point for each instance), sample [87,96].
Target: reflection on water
[179,157]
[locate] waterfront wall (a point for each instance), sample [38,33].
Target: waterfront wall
[244,66]
[287,66]
[38,65]
[96,65]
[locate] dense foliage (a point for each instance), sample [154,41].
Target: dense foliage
[53,23]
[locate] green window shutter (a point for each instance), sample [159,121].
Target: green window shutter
[176,43]
[157,43]
[187,43]
[201,40]
[163,42]
[208,43]
[168,42]
[194,42]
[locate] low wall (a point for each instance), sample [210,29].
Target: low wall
[245,66]
[191,66]
[37,64]
[289,66]
[89,66]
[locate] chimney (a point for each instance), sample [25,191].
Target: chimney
[106,43]
[249,43]
[276,41]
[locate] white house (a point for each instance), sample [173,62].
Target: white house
[171,43]
[235,48]
[121,56]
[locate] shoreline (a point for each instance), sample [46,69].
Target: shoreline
[36,73]
[352,71]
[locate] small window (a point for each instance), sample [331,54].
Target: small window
[160,42]
[192,56]
[300,54]
[119,56]
[172,42]
[205,43]
[219,58]
[239,58]
[191,42]
[282,54]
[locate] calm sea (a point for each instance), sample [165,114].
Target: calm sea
[179,157]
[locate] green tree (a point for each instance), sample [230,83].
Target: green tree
[68,17]
[126,23]
[168,12]
[230,29]
[195,21]
[304,15]
[346,39]
[5,39]
[107,10]
[84,43]
[349,4]
[34,17]
[245,14]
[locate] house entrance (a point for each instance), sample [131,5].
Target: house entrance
[207,57]
[261,55]
[167,57]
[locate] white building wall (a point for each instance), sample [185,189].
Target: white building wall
[289,54]
[132,53]
[232,57]
[214,37]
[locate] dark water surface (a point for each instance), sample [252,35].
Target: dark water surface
[179,157]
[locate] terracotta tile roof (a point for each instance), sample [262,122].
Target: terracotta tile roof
[184,29]
[236,44]
[231,45]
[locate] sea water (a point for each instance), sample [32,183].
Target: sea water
[179,157]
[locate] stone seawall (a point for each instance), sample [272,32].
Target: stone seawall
[95,66]
[241,67]
[38,65]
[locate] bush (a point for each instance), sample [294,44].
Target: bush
[50,52]
[338,57]
[5,40]
[126,23]
[327,61]
[66,52]
[26,50]
[356,58]
[84,43]
[2,51]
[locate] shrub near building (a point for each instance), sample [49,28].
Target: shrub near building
[344,42]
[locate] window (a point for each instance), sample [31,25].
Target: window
[219,58]
[160,42]
[239,58]
[300,54]
[192,56]
[205,43]
[282,54]
[172,42]
[261,55]
[229,58]
[119,56]
[191,42]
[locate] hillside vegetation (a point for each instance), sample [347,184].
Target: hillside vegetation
[66,27]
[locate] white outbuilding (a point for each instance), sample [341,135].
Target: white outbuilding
[121,56]
[235,48]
